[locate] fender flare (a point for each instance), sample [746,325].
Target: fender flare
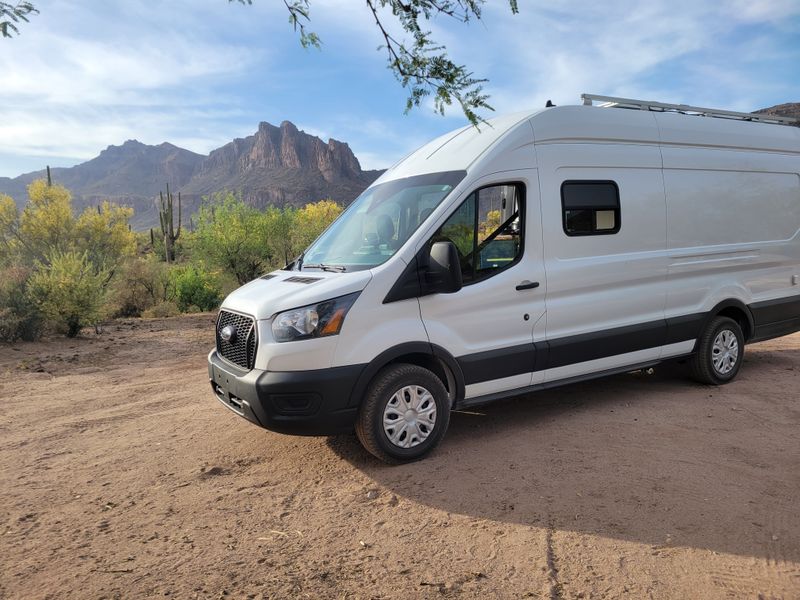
[729,303]
[392,354]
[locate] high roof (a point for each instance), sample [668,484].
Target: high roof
[457,150]
[594,123]
[469,146]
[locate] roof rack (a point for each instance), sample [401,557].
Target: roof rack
[611,101]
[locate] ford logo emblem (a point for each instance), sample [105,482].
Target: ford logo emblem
[228,334]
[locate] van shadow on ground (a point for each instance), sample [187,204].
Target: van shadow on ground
[652,459]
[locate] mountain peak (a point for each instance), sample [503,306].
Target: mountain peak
[126,146]
[275,165]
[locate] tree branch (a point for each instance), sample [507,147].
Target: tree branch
[12,14]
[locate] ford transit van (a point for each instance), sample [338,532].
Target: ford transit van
[539,249]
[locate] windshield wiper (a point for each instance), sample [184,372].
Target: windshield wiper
[331,268]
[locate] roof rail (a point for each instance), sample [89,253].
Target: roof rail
[611,101]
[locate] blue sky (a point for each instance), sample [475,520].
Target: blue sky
[85,74]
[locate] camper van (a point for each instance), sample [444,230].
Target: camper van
[534,250]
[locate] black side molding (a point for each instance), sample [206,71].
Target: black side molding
[495,364]
[775,318]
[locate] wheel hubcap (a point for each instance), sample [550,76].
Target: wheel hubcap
[409,416]
[725,352]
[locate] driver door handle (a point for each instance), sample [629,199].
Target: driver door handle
[527,285]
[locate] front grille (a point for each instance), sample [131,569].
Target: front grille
[241,350]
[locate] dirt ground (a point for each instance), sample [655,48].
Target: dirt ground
[121,476]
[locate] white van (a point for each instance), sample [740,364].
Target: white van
[541,249]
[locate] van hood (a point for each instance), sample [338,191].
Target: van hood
[284,290]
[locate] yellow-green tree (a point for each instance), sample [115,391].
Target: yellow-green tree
[312,219]
[47,226]
[104,234]
[46,223]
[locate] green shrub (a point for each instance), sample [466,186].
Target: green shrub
[142,284]
[70,292]
[195,288]
[233,236]
[162,310]
[19,318]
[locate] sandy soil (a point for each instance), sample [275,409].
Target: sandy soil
[122,477]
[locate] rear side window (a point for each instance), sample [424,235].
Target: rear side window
[590,207]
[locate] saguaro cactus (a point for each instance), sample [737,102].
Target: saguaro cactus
[168,230]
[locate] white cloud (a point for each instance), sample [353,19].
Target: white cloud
[558,49]
[81,77]
[85,74]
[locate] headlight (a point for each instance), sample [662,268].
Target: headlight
[315,320]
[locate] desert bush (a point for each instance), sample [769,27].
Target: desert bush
[69,291]
[87,251]
[19,318]
[194,287]
[140,285]
[162,310]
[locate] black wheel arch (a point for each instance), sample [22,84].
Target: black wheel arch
[736,310]
[424,354]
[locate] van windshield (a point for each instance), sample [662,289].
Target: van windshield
[378,223]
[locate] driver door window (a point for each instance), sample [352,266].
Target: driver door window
[487,229]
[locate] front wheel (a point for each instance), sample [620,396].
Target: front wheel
[404,414]
[720,351]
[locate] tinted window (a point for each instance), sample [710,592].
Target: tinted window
[590,207]
[486,230]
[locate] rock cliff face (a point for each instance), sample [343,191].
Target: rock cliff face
[280,165]
[276,165]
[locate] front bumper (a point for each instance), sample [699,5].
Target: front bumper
[311,402]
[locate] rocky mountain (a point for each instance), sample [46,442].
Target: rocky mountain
[282,165]
[790,109]
[277,165]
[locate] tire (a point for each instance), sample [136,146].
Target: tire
[403,386]
[720,351]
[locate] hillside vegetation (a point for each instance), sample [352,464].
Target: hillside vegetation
[62,270]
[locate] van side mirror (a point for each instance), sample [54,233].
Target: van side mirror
[434,271]
[443,275]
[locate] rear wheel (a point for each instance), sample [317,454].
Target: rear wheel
[404,414]
[720,351]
